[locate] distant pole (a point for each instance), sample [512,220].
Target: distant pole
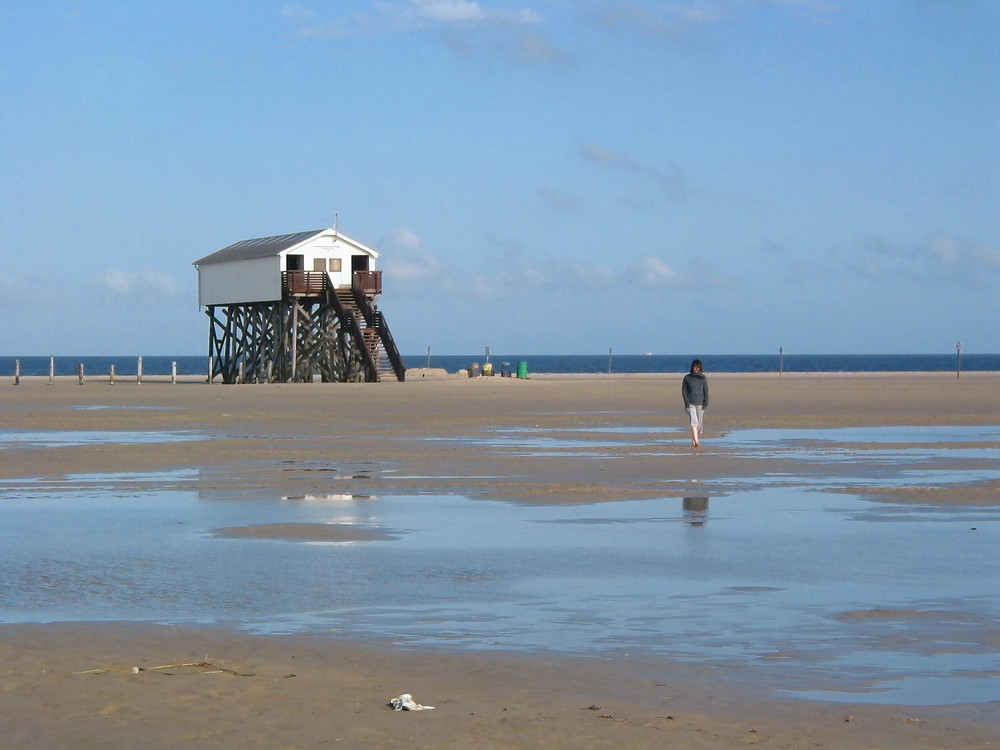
[111,377]
[487,354]
[428,357]
[609,360]
[17,372]
[211,369]
[173,373]
[52,370]
[958,359]
[138,372]
[781,361]
[80,373]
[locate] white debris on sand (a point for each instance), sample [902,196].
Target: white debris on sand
[405,702]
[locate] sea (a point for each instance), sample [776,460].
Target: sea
[550,363]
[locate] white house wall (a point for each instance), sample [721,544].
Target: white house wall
[238,281]
[327,247]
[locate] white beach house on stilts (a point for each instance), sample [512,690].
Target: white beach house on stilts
[289,307]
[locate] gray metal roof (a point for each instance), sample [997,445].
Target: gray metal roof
[262,247]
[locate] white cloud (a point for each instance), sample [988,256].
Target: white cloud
[408,262]
[467,27]
[450,11]
[670,177]
[145,284]
[558,200]
[509,270]
[296,14]
[650,271]
[684,19]
[939,257]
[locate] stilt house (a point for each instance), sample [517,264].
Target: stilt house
[290,307]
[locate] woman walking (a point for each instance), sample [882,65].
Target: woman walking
[694,389]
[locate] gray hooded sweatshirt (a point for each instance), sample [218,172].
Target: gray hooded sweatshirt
[694,389]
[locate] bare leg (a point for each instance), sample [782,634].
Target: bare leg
[695,426]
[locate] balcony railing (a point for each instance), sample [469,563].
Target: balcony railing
[305,283]
[370,282]
[314,283]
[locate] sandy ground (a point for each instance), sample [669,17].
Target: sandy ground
[73,685]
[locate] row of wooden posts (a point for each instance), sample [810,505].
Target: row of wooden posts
[112,375]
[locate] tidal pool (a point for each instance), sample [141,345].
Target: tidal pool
[812,593]
[60,438]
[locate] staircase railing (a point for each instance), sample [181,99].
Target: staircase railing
[350,322]
[375,320]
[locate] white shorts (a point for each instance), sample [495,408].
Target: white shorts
[697,414]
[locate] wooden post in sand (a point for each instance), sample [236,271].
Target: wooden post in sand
[138,372]
[17,372]
[173,373]
[79,373]
[958,359]
[111,379]
[52,370]
[295,342]
[781,361]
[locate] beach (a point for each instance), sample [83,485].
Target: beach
[549,441]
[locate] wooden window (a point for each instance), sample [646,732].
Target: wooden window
[335,265]
[319,264]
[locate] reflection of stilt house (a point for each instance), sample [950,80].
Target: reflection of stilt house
[289,307]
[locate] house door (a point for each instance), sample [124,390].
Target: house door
[359,263]
[295,263]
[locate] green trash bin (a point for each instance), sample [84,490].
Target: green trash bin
[522,369]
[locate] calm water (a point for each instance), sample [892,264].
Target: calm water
[619,363]
[808,589]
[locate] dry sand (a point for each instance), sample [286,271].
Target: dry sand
[72,685]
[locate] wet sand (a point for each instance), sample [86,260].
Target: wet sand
[270,691]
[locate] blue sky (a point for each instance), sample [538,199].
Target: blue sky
[540,176]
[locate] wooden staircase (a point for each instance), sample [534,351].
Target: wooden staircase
[375,338]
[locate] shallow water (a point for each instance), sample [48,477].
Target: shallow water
[53,438]
[816,593]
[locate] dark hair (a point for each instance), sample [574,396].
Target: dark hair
[695,363]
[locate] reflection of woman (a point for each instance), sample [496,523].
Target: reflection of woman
[694,389]
[696,510]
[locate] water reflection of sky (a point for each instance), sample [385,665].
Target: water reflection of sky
[761,577]
[808,444]
[819,594]
[64,438]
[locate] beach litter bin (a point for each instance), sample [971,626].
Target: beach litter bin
[505,369]
[522,369]
[488,369]
[474,370]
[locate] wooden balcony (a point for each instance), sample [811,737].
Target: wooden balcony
[305,283]
[370,282]
[315,283]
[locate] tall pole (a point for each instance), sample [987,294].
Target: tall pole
[781,361]
[958,359]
